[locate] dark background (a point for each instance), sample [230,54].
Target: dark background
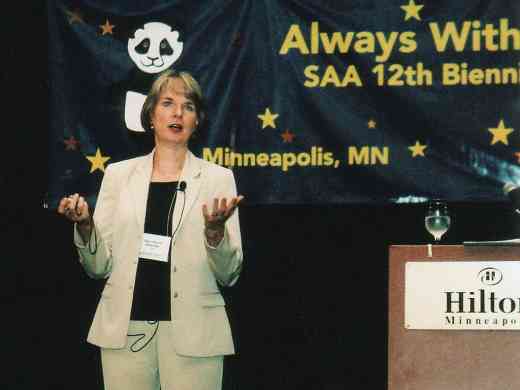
[309,311]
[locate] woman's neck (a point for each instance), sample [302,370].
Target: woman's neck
[168,162]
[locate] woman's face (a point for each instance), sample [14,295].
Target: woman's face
[174,117]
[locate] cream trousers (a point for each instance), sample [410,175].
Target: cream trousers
[149,362]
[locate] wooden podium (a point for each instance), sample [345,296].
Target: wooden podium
[448,359]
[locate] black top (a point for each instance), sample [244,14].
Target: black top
[152,282]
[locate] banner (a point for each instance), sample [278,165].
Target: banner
[316,102]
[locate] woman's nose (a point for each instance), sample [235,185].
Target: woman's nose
[178,111]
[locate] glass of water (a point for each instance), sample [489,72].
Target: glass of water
[437,220]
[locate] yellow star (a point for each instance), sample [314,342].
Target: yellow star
[107,28]
[371,124]
[74,16]
[500,133]
[97,161]
[268,119]
[417,149]
[412,10]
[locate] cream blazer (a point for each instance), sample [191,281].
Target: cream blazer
[201,326]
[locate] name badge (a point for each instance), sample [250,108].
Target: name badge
[155,247]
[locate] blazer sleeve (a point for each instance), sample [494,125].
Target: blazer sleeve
[225,260]
[96,255]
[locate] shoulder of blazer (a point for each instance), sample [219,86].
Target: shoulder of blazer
[125,167]
[213,169]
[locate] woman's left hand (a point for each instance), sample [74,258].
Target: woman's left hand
[216,220]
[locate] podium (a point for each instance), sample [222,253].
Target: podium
[448,359]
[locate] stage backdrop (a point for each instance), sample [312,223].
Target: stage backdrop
[309,101]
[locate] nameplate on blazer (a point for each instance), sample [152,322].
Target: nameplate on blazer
[155,247]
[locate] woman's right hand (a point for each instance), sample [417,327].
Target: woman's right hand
[75,208]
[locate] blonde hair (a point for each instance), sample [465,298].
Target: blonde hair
[193,92]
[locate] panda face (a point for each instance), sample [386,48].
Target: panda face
[155,47]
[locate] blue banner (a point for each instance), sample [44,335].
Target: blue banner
[316,102]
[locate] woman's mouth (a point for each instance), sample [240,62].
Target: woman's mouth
[175,126]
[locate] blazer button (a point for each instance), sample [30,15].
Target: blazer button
[174,269]
[175,294]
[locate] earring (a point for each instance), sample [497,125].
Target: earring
[151,126]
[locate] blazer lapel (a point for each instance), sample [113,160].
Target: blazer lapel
[139,185]
[192,175]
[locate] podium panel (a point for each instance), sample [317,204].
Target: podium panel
[448,359]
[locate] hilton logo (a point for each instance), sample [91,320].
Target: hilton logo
[490,276]
[482,300]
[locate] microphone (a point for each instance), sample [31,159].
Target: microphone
[508,187]
[182,188]
[513,193]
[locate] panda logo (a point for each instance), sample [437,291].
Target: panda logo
[155,47]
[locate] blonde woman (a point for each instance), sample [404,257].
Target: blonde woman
[165,232]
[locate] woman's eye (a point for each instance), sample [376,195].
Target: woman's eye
[190,107]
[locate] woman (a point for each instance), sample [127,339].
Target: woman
[164,233]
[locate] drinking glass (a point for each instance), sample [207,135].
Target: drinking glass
[437,220]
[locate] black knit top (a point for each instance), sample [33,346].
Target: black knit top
[152,282]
